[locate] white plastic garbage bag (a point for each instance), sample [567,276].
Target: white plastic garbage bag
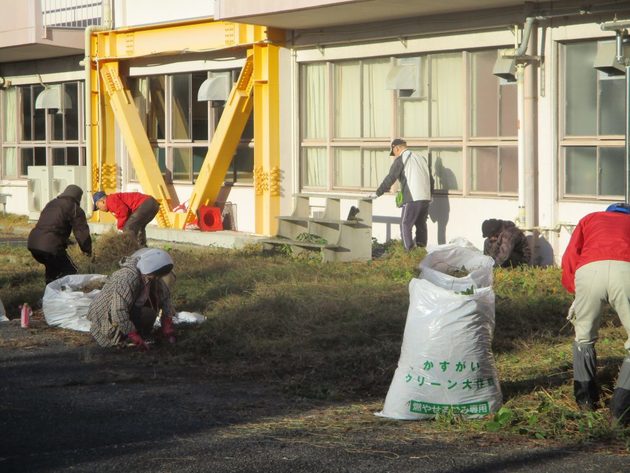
[446,361]
[3,313]
[66,305]
[184,317]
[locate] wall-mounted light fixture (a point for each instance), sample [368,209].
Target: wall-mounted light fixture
[214,89]
[53,97]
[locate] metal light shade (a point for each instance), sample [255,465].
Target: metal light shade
[53,97]
[606,60]
[505,68]
[213,89]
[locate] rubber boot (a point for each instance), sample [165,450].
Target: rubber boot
[585,387]
[620,402]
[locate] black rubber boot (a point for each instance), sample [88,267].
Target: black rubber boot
[620,402]
[585,387]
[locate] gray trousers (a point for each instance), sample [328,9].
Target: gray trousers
[595,283]
[414,214]
[140,218]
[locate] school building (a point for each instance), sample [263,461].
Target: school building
[244,104]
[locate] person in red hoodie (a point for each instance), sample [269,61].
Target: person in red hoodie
[596,268]
[133,211]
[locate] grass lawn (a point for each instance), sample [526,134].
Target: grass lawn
[333,332]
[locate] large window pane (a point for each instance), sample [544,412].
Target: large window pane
[347,167]
[414,109]
[377,101]
[10,164]
[157,109]
[612,105]
[27,117]
[181,107]
[508,109]
[244,164]
[508,169]
[347,100]
[581,170]
[314,167]
[10,113]
[447,169]
[376,164]
[581,89]
[182,164]
[485,97]
[314,95]
[446,95]
[72,114]
[484,169]
[613,171]
[39,116]
[199,109]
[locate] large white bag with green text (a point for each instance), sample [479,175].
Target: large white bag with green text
[446,362]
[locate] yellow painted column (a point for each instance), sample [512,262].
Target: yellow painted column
[104,171]
[267,175]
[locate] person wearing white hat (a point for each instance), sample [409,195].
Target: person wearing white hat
[131,300]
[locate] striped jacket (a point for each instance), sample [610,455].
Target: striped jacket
[109,312]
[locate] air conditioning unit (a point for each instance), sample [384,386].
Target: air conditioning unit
[47,182]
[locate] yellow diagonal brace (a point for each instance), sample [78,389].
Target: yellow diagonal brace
[237,109]
[267,174]
[136,140]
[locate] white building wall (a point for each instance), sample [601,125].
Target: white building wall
[144,12]
[464,215]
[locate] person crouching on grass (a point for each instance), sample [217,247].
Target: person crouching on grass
[131,300]
[133,211]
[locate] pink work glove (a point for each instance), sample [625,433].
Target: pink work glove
[168,330]
[136,339]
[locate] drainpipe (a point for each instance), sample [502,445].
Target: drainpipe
[619,27]
[530,138]
[107,25]
[526,98]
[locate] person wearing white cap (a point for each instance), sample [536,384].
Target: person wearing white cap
[131,300]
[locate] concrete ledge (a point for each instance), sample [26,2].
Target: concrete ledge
[222,239]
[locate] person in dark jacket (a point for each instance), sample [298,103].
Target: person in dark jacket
[48,241]
[505,243]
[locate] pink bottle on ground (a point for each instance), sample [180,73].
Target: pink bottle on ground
[25,315]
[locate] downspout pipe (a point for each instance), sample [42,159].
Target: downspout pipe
[619,27]
[525,129]
[89,145]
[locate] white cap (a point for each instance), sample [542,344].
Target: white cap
[152,260]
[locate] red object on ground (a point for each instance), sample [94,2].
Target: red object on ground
[209,219]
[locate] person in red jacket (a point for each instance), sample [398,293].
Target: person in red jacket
[596,267]
[133,211]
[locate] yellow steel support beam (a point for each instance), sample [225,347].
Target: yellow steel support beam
[110,99]
[266,138]
[138,146]
[237,109]
[181,38]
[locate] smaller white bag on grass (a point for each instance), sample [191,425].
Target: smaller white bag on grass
[66,305]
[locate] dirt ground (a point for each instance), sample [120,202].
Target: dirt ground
[69,405]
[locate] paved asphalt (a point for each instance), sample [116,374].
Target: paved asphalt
[84,409]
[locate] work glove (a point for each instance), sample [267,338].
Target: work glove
[372,196]
[137,340]
[168,330]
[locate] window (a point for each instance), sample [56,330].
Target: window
[593,127]
[180,127]
[41,137]
[350,110]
